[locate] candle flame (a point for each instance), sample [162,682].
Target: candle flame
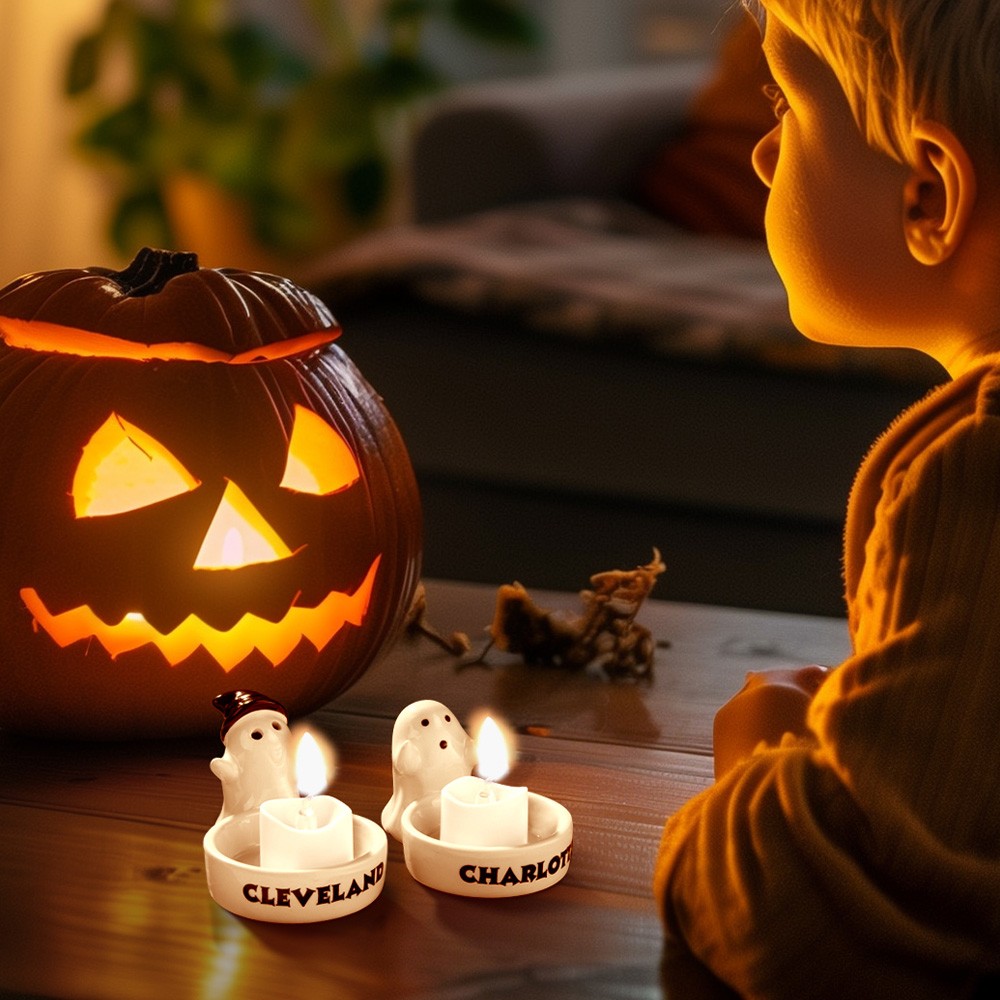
[493,759]
[312,772]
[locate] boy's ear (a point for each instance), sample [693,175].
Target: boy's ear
[939,194]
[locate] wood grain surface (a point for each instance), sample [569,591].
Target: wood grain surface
[102,874]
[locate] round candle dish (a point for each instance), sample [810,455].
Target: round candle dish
[238,883]
[488,872]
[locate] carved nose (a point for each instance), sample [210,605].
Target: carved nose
[239,535]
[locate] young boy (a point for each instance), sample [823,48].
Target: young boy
[858,854]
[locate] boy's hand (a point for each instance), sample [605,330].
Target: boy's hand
[770,704]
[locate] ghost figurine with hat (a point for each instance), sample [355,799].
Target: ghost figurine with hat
[257,763]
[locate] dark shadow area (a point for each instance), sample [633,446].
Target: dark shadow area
[545,460]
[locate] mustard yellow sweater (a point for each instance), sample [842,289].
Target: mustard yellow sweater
[865,860]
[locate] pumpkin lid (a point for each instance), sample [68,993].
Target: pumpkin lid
[164,298]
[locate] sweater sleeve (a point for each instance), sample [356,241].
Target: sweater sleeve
[875,846]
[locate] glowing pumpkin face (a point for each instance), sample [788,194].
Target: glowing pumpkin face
[183,518]
[124,469]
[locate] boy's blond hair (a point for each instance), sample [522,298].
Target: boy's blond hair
[904,60]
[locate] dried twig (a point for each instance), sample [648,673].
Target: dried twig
[604,638]
[417,625]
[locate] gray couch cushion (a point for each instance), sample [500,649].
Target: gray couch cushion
[604,269]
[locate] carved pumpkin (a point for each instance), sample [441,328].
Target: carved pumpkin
[200,492]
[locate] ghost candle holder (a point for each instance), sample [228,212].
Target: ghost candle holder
[271,854]
[465,833]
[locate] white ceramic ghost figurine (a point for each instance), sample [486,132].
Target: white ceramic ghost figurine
[257,763]
[429,749]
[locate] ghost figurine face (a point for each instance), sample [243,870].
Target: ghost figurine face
[257,764]
[260,736]
[429,749]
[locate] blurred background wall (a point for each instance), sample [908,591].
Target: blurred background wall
[53,205]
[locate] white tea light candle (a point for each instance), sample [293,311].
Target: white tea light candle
[312,832]
[479,811]
[431,754]
[294,886]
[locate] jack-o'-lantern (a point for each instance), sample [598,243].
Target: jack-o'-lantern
[200,492]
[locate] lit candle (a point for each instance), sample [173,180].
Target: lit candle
[312,832]
[477,810]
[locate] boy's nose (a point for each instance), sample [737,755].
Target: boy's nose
[765,155]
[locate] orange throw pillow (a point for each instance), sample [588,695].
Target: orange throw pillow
[702,179]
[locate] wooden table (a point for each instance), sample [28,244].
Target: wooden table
[102,883]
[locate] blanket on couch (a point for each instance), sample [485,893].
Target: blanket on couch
[605,269]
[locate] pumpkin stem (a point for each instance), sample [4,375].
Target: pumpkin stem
[152,269]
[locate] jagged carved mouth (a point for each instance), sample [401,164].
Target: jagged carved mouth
[275,640]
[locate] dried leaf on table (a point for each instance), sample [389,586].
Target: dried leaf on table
[605,638]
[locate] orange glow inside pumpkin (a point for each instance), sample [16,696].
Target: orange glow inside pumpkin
[319,459]
[239,535]
[38,335]
[275,640]
[124,468]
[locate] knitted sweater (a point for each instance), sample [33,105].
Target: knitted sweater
[864,860]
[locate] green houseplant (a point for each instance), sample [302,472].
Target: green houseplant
[188,96]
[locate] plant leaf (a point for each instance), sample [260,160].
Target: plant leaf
[394,79]
[497,22]
[397,11]
[83,65]
[140,219]
[122,133]
[281,221]
[257,58]
[365,183]
[157,48]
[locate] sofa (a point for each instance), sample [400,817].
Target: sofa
[580,380]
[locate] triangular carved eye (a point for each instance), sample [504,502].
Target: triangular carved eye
[319,460]
[123,468]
